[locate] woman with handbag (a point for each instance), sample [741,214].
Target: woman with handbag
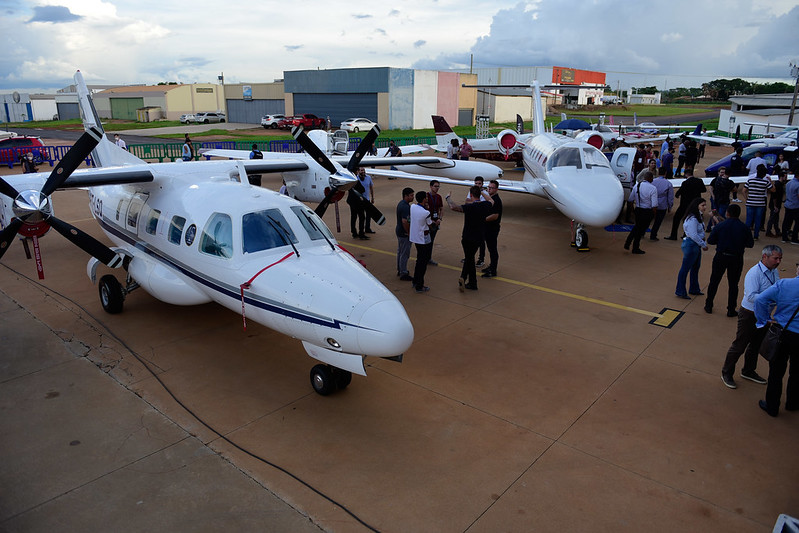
[692,246]
[783,299]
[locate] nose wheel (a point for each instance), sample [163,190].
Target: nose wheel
[579,237]
[326,379]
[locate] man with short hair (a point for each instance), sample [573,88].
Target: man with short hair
[748,337]
[435,204]
[721,186]
[401,230]
[731,238]
[369,195]
[691,188]
[492,229]
[478,181]
[791,218]
[474,212]
[756,188]
[419,235]
[665,201]
[119,141]
[645,197]
[256,153]
[466,150]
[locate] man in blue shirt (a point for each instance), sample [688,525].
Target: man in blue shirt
[748,338]
[783,298]
[791,211]
[731,238]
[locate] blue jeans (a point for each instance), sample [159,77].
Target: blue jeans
[754,215]
[691,261]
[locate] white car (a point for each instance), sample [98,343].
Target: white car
[354,125]
[187,118]
[207,118]
[270,121]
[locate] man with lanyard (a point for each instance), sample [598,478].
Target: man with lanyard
[783,298]
[492,230]
[731,238]
[402,231]
[645,196]
[436,206]
[368,186]
[748,337]
[791,218]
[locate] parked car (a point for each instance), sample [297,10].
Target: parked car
[187,118]
[271,121]
[648,127]
[309,121]
[286,123]
[13,148]
[354,125]
[206,118]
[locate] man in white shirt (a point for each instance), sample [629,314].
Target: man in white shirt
[645,197]
[119,141]
[419,235]
[748,338]
[369,194]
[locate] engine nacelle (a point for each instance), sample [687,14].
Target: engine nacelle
[508,142]
[592,138]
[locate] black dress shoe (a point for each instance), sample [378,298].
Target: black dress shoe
[732,313]
[363,237]
[670,238]
[653,239]
[369,231]
[639,252]
[683,296]
[471,286]
[488,275]
[708,310]
[763,405]
[700,293]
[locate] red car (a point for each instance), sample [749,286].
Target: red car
[286,123]
[13,148]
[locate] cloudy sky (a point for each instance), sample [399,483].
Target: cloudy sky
[680,43]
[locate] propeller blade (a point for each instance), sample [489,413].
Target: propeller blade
[737,132]
[71,160]
[84,241]
[371,211]
[363,148]
[325,203]
[7,189]
[8,234]
[749,135]
[313,150]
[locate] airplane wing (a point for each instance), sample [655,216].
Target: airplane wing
[504,185]
[94,177]
[272,161]
[712,139]
[389,161]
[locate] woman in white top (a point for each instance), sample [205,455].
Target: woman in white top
[692,245]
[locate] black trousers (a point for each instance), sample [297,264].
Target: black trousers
[790,220]
[423,252]
[747,338]
[357,219]
[642,219]
[675,223]
[731,264]
[788,352]
[661,214]
[492,233]
[469,272]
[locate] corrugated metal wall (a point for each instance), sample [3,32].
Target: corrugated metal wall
[125,108]
[338,107]
[251,111]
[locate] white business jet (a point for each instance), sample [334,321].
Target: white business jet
[190,233]
[575,176]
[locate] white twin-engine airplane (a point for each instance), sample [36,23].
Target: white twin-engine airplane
[575,176]
[197,232]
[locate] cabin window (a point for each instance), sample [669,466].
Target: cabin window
[152,221]
[594,158]
[263,230]
[176,229]
[565,157]
[217,236]
[119,207]
[133,214]
[312,223]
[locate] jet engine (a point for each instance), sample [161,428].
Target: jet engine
[508,142]
[592,138]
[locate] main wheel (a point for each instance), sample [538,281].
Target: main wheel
[355,129]
[322,380]
[581,239]
[111,295]
[342,377]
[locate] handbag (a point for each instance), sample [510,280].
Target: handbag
[771,342]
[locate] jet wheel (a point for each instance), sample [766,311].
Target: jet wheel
[111,294]
[342,377]
[581,240]
[322,379]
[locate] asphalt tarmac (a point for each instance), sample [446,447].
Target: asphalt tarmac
[574,392]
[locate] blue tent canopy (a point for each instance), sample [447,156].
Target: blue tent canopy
[573,124]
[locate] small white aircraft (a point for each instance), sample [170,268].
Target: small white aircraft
[315,174]
[190,233]
[787,137]
[575,176]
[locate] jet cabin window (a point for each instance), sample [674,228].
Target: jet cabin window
[565,157]
[594,158]
[217,237]
[263,230]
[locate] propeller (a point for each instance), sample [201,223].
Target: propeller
[341,178]
[33,207]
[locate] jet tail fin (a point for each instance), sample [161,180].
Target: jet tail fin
[444,133]
[519,124]
[698,130]
[106,153]
[538,119]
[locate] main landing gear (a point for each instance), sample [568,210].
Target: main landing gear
[112,293]
[326,379]
[579,237]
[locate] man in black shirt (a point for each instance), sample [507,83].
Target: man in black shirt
[691,188]
[492,230]
[731,238]
[474,220]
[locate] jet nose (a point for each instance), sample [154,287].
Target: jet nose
[385,330]
[592,197]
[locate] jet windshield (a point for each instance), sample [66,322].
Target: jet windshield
[263,230]
[594,158]
[565,157]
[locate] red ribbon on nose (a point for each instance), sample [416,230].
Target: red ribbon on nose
[248,283]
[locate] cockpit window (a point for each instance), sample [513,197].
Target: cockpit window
[217,237]
[594,158]
[312,223]
[565,157]
[263,230]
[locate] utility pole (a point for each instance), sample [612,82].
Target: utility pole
[794,74]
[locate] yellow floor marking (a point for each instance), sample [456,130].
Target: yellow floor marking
[665,318]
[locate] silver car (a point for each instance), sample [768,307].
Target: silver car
[270,121]
[354,125]
[187,118]
[207,118]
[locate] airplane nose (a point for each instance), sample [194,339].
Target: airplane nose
[591,197]
[385,330]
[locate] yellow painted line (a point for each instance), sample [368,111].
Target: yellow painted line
[664,319]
